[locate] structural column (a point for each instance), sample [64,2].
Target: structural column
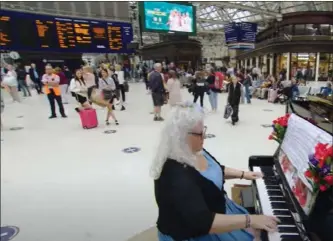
[288,66]
[245,63]
[271,64]
[257,62]
[264,67]
[317,66]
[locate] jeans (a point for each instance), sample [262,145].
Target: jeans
[24,87]
[247,93]
[64,93]
[213,100]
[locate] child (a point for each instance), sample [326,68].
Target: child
[234,98]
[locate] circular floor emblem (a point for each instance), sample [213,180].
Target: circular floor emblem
[20,116]
[266,125]
[131,149]
[15,129]
[110,131]
[208,136]
[267,110]
[9,232]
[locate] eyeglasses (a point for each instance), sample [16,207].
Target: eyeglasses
[202,134]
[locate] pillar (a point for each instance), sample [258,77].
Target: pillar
[264,67]
[317,67]
[245,63]
[288,66]
[271,64]
[257,62]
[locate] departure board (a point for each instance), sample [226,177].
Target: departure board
[34,32]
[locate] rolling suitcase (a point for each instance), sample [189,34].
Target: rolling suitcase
[89,118]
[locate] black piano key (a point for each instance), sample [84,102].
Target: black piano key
[291,238]
[277,199]
[271,183]
[282,212]
[276,205]
[287,230]
[286,221]
[274,193]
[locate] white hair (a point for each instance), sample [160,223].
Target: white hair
[173,143]
[157,65]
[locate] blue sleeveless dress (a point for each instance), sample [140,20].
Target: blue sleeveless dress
[214,174]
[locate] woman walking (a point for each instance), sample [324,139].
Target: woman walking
[212,84]
[63,84]
[173,86]
[107,88]
[199,87]
[9,80]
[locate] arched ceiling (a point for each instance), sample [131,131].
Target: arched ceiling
[212,16]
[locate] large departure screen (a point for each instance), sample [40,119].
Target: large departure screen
[168,17]
[25,31]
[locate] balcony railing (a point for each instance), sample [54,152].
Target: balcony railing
[294,39]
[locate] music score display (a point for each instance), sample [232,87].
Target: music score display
[42,32]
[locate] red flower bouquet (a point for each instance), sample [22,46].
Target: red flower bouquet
[320,171]
[279,128]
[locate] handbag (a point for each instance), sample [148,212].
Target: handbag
[227,111]
[126,86]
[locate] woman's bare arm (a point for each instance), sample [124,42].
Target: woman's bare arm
[227,223]
[231,173]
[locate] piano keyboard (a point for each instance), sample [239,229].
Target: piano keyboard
[273,203]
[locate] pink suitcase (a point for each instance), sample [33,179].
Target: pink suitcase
[272,95]
[88,118]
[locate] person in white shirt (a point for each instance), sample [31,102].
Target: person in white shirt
[79,90]
[173,86]
[10,83]
[52,90]
[121,81]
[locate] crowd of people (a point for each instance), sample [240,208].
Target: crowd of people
[106,86]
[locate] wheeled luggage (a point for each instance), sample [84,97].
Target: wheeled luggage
[88,118]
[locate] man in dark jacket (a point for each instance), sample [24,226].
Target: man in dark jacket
[247,82]
[156,86]
[36,78]
[21,76]
[234,98]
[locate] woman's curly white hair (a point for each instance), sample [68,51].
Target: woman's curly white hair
[173,141]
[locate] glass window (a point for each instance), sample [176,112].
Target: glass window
[300,29]
[303,66]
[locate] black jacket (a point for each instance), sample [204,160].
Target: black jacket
[32,75]
[234,94]
[21,73]
[187,201]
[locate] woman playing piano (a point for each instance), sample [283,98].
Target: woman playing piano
[189,183]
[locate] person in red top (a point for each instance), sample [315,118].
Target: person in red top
[219,78]
[63,84]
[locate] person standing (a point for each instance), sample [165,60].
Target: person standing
[63,84]
[214,84]
[234,98]
[35,77]
[21,76]
[173,86]
[80,91]
[247,83]
[53,92]
[156,85]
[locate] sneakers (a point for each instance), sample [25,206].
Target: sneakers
[158,118]
[123,108]
[52,117]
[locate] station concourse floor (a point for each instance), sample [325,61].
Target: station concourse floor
[60,182]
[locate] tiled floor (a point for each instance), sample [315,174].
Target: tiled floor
[60,182]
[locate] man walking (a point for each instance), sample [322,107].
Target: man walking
[157,90]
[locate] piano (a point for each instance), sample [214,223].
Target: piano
[274,195]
